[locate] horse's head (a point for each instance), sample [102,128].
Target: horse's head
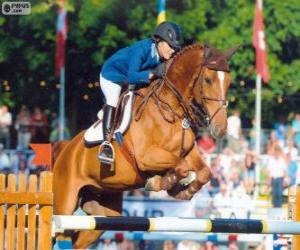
[203,77]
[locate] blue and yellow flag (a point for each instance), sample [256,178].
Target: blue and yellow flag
[161,17]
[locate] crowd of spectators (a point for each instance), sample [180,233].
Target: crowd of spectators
[121,244]
[237,166]
[18,130]
[27,126]
[234,167]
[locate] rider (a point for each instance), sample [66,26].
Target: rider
[135,65]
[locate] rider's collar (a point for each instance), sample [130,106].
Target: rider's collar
[154,52]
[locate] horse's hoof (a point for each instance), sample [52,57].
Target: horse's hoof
[153,183]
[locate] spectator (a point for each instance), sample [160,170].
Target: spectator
[250,162]
[291,149]
[39,124]
[280,130]
[234,131]
[233,245]
[234,179]
[216,179]
[5,123]
[292,170]
[277,171]
[188,245]
[226,159]
[291,156]
[5,166]
[209,245]
[169,245]
[108,244]
[206,144]
[22,126]
[296,130]
[240,199]
[146,245]
[222,199]
[272,143]
[18,161]
[125,244]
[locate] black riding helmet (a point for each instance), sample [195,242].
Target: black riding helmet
[171,33]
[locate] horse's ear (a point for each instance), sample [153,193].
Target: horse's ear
[229,52]
[207,51]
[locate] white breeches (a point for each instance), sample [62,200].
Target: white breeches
[111,91]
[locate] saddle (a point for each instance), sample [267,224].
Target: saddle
[94,135]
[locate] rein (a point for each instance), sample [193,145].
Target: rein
[196,113]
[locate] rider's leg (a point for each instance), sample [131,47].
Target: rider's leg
[111,92]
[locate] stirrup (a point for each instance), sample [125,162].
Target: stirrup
[104,158]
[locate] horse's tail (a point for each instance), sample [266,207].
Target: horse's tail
[57,147]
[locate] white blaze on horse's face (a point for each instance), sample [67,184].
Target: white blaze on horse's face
[218,112]
[221,76]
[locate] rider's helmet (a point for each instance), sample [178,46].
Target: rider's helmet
[171,33]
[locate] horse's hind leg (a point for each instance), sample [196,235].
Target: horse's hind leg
[103,204]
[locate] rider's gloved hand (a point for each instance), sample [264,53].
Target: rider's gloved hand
[159,71]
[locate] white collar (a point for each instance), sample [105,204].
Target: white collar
[154,52]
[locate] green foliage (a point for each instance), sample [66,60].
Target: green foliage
[97,28]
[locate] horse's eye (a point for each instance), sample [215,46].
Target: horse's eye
[208,80]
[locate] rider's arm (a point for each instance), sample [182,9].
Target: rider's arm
[135,74]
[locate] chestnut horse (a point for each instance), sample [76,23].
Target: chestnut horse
[160,140]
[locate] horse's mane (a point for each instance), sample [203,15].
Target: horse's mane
[185,49]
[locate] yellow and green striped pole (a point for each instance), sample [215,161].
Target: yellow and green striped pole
[161,17]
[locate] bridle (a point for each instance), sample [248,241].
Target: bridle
[200,109]
[196,113]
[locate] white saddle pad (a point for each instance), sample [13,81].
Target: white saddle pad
[94,135]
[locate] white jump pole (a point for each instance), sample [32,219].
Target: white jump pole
[174,224]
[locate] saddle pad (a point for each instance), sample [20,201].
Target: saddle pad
[94,135]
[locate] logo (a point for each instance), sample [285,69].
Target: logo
[16,8]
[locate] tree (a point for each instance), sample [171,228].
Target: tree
[98,28]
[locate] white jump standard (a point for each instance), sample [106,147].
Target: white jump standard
[174,224]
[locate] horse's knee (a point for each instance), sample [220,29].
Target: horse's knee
[182,170]
[204,175]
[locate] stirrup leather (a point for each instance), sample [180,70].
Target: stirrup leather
[103,158]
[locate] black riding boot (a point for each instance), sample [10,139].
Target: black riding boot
[106,153]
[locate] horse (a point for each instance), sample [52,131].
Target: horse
[158,149]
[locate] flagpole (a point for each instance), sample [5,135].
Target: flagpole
[62,104]
[161,5]
[258,129]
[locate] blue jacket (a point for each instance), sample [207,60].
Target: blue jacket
[132,65]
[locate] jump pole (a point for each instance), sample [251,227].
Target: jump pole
[174,224]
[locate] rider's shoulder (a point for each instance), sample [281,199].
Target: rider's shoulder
[144,43]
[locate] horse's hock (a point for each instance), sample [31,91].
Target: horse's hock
[26,211]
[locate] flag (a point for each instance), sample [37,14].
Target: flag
[61,37]
[161,17]
[43,154]
[259,43]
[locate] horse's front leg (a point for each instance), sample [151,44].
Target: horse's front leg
[203,175]
[158,160]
